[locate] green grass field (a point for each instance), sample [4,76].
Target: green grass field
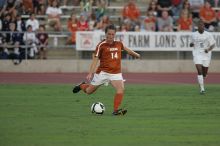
[158,115]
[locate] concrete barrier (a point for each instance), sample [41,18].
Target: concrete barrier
[68,66]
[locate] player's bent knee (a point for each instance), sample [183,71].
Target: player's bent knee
[120,91]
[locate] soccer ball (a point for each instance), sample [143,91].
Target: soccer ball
[98,108]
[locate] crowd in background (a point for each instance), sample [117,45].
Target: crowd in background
[159,15]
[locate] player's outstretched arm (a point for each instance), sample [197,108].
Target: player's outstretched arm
[132,53]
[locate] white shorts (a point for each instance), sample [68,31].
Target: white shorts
[203,62]
[105,78]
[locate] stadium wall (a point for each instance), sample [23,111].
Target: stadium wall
[131,66]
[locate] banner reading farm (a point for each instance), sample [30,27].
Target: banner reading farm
[142,41]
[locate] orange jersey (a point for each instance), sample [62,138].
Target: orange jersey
[72,27]
[109,56]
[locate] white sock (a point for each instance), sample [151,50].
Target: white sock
[201,82]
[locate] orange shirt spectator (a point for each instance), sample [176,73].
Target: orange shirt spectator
[150,21]
[28,5]
[72,27]
[207,14]
[131,11]
[184,22]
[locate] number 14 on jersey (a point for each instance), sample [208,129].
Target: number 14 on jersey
[114,55]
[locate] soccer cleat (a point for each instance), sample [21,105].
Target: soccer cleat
[202,92]
[119,112]
[77,88]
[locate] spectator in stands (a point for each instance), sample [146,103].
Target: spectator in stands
[33,22]
[82,23]
[129,26]
[164,5]
[165,22]
[184,22]
[16,55]
[2,7]
[21,26]
[208,16]
[176,8]
[100,25]
[10,8]
[13,40]
[104,22]
[150,21]
[123,27]
[101,10]
[5,22]
[12,35]
[54,12]
[137,28]
[4,53]
[86,8]
[30,41]
[64,3]
[92,21]
[186,7]
[72,27]
[195,6]
[215,3]
[28,5]
[3,50]
[22,10]
[131,12]
[42,37]
[153,8]
[39,7]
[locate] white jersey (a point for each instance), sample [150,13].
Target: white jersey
[53,11]
[34,23]
[201,42]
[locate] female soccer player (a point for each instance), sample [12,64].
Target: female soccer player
[203,43]
[108,53]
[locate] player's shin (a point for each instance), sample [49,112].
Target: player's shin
[117,100]
[201,82]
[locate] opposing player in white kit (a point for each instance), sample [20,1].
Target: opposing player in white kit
[203,43]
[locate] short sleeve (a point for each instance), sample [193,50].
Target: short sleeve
[211,39]
[98,50]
